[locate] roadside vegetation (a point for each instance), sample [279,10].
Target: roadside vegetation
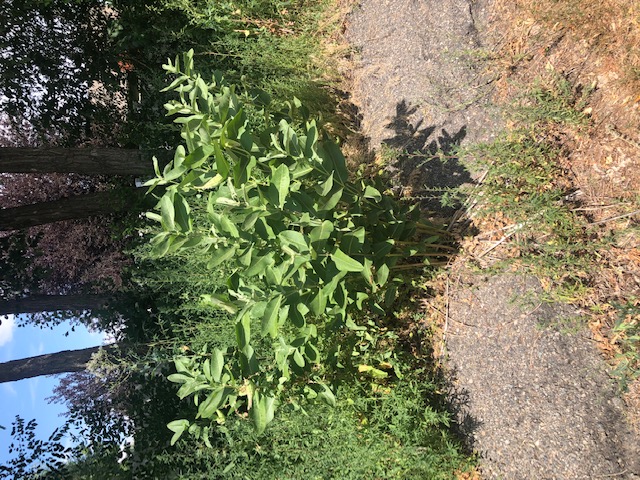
[266,313]
[256,318]
[558,195]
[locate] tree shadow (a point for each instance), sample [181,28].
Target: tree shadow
[425,165]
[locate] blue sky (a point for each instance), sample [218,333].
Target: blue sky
[27,397]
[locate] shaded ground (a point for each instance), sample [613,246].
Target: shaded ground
[534,401]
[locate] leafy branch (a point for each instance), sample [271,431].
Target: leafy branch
[307,246]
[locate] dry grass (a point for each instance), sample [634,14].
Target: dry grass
[592,45]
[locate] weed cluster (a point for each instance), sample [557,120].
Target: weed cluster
[531,212]
[526,195]
[626,334]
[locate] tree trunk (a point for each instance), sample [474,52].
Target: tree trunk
[80,206]
[52,303]
[50,364]
[101,161]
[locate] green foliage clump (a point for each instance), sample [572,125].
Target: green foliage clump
[365,435]
[267,45]
[306,247]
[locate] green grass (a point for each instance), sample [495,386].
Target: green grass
[527,192]
[527,185]
[626,333]
[379,429]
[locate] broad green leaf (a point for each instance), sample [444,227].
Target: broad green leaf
[330,201]
[245,257]
[217,364]
[262,411]
[345,263]
[360,297]
[160,244]
[302,202]
[222,165]
[259,265]
[319,235]
[193,241]
[282,351]
[352,242]
[301,169]
[390,295]
[190,388]
[284,315]
[295,240]
[311,140]
[331,286]
[296,317]
[174,173]
[220,255]
[208,181]
[340,296]
[273,275]
[213,401]
[179,378]
[333,158]
[205,437]
[311,352]
[229,227]
[250,220]
[200,155]
[351,325]
[178,427]
[264,230]
[167,212]
[182,364]
[382,249]
[377,309]
[249,361]
[296,266]
[382,274]
[270,318]
[298,358]
[280,181]
[319,303]
[182,213]
[373,193]
[325,187]
[367,274]
[243,331]
[326,395]
[178,81]
[206,368]
[153,216]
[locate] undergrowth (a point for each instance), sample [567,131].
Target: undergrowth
[530,211]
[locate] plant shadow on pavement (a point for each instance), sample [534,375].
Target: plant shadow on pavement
[465,425]
[423,164]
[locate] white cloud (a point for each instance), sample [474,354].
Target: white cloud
[33,390]
[10,389]
[6,329]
